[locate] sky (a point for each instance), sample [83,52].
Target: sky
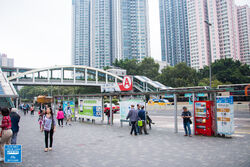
[37,33]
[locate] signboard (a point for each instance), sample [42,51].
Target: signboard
[90,108]
[13,153]
[72,106]
[126,85]
[125,106]
[225,115]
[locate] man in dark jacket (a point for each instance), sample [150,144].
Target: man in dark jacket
[133,116]
[142,117]
[14,124]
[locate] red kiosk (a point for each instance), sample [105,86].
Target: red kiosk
[203,117]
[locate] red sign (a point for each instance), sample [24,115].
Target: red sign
[127,84]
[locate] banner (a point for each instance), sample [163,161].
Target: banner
[90,108]
[72,106]
[125,106]
[225,115]
[126,85]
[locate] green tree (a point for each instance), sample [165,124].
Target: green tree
[130,65]
[227,71]
[149,68]
[180,75]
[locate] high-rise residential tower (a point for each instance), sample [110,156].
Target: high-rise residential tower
[174,31]
[134,29]
[106,30]
[81,32]
[243,13]
[101,11]
[198,33]
[223,17]
[223,36]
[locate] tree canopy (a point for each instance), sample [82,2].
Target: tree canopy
[147,67]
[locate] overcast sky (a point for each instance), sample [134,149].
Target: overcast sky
[37,33]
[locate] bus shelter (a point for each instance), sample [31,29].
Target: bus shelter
[100,96]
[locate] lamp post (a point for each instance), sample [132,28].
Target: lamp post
[210,57]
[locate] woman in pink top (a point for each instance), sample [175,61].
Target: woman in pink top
[60,116]
[6,130]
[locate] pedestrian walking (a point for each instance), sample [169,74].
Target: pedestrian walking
[186,115]
[133,116]
[137,126]
[68,112]
[49,127]
[32,109]
[6,132]
[149,120]
[142,117]
[41,113]
[24,109]
[15,118]
[60,117]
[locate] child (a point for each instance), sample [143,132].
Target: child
[40,119]
[60,116]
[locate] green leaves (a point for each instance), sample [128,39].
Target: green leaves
[179,76]
[147,67]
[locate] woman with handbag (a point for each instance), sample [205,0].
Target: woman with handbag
[6,132]
[49,127]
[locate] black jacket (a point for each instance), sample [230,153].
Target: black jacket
[14,121]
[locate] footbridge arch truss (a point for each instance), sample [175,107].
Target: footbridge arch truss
[65,76]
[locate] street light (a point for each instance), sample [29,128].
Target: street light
[210,57]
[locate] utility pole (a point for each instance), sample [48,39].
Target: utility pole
[210,57]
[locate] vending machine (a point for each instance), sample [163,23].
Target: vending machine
[203,118]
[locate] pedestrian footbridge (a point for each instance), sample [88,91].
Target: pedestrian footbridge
[76,76]
[65,76]
[144,84]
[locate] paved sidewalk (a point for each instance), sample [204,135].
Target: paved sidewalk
[87,145]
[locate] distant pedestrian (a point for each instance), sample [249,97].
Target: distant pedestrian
[142,117]
[68,112]
[6,132]
[60,117]
[49,127]
[186,115]
[24,109]
[32,109]
[133,116]
[137,127]
[149,120]
[15,118]
[41,113]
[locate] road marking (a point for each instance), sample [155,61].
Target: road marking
[240,132]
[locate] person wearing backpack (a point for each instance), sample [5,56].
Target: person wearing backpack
[60,116]
[49,127]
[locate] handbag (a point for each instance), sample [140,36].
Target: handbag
[190,121]
[140,123]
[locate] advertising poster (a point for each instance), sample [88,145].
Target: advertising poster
[90,108]
[125,106]
[200,109]
[72,106]
[225,115]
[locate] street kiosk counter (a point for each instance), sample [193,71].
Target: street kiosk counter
[203,116]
